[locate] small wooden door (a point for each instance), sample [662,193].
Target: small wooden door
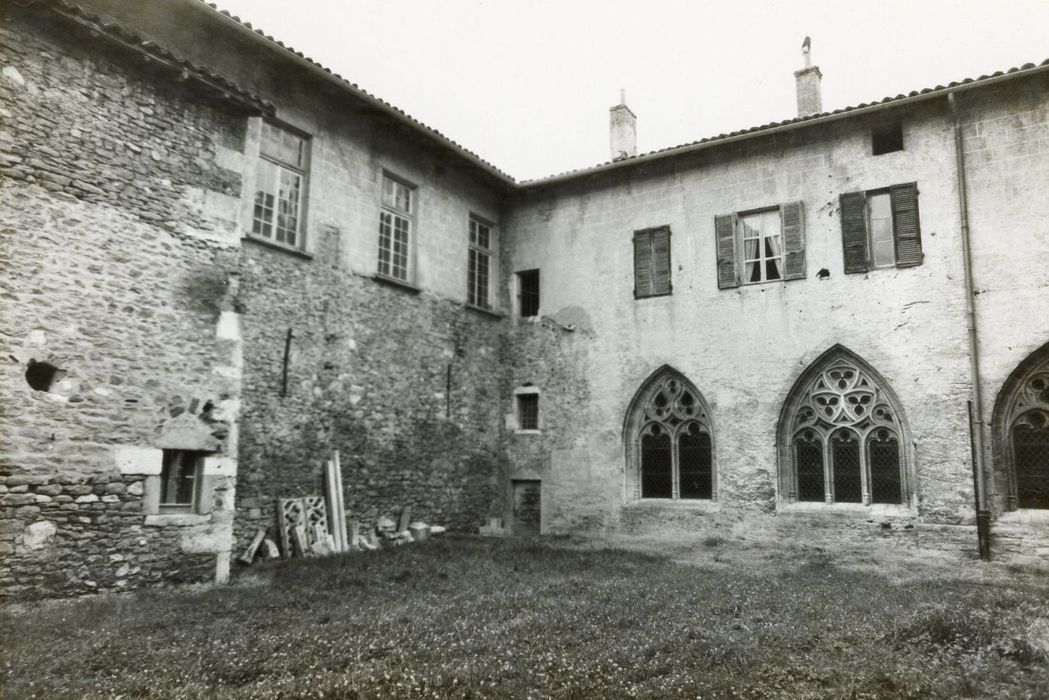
[526,506]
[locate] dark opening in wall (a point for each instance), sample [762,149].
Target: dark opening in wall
[41,376]
[886,138]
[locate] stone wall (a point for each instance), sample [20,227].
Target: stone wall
[116,274]
[745,347]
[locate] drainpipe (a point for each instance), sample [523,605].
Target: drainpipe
[976,423]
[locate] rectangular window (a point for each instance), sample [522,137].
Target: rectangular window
[180,479]
[762,245]
[280,182]
[395,229]
[527,411]
[480,255]
[528,292]
[880,228]
[652,262]
[886,138]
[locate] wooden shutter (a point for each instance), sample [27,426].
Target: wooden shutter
[642,264]
[793,220]
[661,261]
[725,229]
[905,226]
[854,231]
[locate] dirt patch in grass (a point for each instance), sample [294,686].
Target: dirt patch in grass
[517,618]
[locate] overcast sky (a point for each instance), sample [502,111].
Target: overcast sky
[526,84]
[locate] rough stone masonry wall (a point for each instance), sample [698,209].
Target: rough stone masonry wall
[368,373]
[112,272]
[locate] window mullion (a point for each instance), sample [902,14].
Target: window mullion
[865,480]
[675,468]
[828,471]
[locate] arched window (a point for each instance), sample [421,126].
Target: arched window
[841,436]
[670,449]
[1021,431]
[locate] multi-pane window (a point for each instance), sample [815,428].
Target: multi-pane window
[673,447]
[478,265]
[528,292]
[760,246]
[844,439]
[880,228]
[652,262]
[395,229]
[180,479]
[280,182]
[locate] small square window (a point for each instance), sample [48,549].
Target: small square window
[528,292]
[180,478]
[886,138]
[527,411]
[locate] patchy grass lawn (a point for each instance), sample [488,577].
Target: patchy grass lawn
[502,618]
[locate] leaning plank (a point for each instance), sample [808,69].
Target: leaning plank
[341,521]
[355,534]
[333,505]
[249,553]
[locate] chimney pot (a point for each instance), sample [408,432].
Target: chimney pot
[622,123]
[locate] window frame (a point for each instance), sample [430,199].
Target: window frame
[409,217]
[196,486]
[523,293]
[731,252]
[522,395]
[301,170]
[486,253]
[741,255]
[898,195]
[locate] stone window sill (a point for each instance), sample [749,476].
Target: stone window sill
[265,242]
[1025,515]
[846,510]
[492,313]
[177,519]
[690,504]
[528,432]
[396,283]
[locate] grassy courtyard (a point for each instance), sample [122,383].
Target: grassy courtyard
[463,617]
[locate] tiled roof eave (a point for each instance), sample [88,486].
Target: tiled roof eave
[790,124]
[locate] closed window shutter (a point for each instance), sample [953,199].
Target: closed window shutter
[725,229]
[642,264]
[905,226]
[854,231]
[793,241]
[661,261]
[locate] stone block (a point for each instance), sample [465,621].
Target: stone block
[37,535]
[138,460]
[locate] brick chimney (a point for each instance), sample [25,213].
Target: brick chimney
[810,99]
[622,124]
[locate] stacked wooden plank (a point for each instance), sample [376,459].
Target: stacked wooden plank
[336,506]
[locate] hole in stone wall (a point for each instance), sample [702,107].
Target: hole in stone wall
[41,376]
[823,274]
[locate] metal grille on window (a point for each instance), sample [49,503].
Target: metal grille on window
[845,430]
[528,282]
[674,445]
[528,411]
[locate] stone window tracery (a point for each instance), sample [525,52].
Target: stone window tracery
[671,437]
[1022,428]
[843,438]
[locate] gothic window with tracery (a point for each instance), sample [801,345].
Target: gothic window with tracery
[844,436]
[1023,417]
[671,440]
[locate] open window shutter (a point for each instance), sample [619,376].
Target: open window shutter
[905,225]
[724,227]
[642,264]
[793,241]
[854,231]
[661,261]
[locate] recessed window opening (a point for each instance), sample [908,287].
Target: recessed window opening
[887,138]
[279,186]
[527,411]
[395,229]
[528,292]
[480,254]
[180,479]
[41,376]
